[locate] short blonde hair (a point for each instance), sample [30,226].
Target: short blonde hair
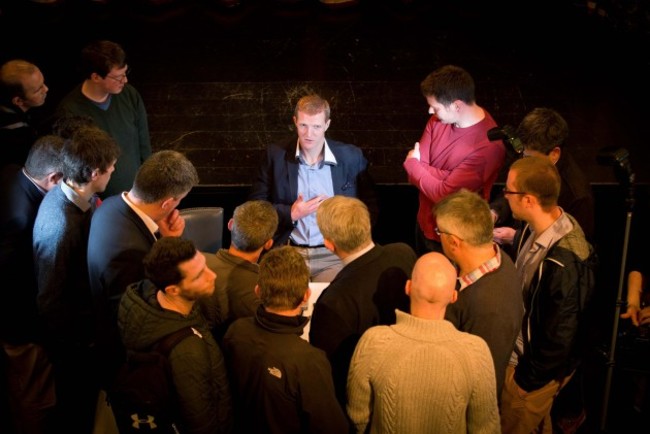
[312,104]
[345,221]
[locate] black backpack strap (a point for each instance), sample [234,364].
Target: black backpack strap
[165,345]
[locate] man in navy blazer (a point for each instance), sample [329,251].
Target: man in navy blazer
[296,176]
[123,230]
[365,293]
[27,373]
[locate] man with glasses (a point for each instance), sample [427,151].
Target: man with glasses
[117,107]
[489,301]
[543,133]
[556,267]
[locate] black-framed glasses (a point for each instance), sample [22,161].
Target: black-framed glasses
[506,191]
[439,232]
[119,78]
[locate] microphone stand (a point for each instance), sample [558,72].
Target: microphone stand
[619,299]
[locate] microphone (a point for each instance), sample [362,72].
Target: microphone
[619,158]
[507,134]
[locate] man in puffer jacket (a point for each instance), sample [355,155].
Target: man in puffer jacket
[165,302]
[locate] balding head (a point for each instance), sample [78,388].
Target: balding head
[432,286]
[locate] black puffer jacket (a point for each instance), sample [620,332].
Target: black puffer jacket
[198,366]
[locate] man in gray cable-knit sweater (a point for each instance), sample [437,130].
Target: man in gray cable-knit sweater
[422,375]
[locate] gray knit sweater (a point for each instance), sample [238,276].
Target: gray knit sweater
[422,376]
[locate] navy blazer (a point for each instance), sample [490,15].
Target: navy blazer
[365,293]
[118,242]
[19,202]
[277,180]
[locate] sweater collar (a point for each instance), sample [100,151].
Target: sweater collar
[423,329]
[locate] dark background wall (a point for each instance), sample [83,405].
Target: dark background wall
[220,84]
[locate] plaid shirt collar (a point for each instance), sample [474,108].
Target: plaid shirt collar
[485,268]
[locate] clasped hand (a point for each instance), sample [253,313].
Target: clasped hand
[415,152]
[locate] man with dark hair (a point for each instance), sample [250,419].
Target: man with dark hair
[556,267]
[297,176]
[28,372]
[454,151]
[281,384]
[22,87]
[124,229]
[117,107]
[543,133]
[251,233]
[60,245]
[165,302]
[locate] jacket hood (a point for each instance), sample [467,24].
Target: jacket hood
[142,321]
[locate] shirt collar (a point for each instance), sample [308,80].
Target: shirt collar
[487,267]
[329,155]
[151,225]
[557,230]
[74,197]
[33,181]
[358,254]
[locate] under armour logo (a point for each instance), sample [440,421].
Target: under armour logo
[275,372]
[148,421]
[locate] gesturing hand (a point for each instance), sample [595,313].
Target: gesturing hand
[302,208]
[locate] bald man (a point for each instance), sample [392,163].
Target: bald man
[450,372]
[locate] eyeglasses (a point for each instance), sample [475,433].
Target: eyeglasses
[506,191]
[439,232]
[119,78]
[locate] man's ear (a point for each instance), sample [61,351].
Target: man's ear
[230,223]
[529,200]
[407,287]
[305,299]
[329,245]
[327,125]
[454,297]
[167,204]
[555,154]
[257,291]
[268,244]
[172,290]
[18,102]
[53,178]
